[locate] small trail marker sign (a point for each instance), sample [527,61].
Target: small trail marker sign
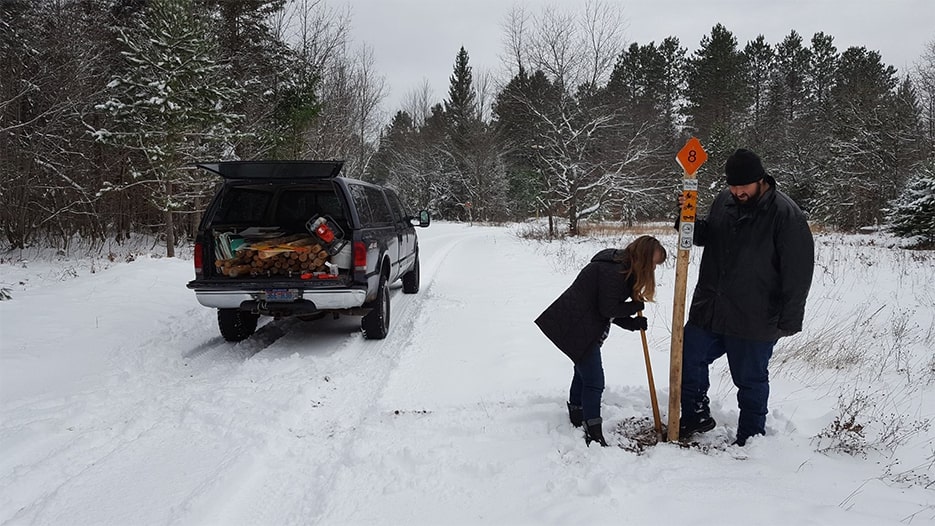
[690,158]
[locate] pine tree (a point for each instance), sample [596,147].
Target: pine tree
[519,132]
[461,105]
[824,59]
[817,127]
[717,92]
[170,104]
[787,83]
[396,136]
[477,181]
[787,116]
[863,95]
[269,74]
[759,57]
[644,87]
[672,82]
[913,213]
[403,162]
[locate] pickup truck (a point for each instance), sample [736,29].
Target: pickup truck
[293,238]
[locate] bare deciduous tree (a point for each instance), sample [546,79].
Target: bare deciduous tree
[584,145]
[418,103]
[924,77]
[369,93]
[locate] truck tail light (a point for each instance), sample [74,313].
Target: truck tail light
[360,255]
[198,258]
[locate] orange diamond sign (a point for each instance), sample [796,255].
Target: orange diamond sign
[691,156]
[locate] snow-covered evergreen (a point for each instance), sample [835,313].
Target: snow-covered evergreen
[913,214]
[171,104]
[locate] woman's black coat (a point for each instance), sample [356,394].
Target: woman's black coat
[578,319]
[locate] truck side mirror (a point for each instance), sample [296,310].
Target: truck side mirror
[424,218]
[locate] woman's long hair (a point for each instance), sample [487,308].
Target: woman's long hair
[638,259]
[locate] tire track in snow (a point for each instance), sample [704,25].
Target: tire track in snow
[291,482]
[145,389]
[312,382]
[154,398]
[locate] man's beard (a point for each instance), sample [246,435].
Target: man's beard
[751,198]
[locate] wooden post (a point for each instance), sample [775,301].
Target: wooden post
[675,352]
[690,157]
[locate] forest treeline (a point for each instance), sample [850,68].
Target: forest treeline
[105,105]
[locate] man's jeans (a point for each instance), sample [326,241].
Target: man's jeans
[748,361]
[587,385]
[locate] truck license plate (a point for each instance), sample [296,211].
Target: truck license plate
[281,295]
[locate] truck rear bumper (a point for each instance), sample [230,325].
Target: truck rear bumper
[323,300]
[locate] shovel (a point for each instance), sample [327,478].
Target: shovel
[657,423]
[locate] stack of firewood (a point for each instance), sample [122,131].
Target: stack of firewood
[284,256]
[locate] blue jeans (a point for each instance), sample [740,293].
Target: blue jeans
[748,361]
[587,384]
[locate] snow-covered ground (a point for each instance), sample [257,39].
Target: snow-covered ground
[121,404]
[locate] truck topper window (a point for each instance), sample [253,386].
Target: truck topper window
[243,205]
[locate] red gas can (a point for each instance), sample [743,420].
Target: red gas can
[324,232]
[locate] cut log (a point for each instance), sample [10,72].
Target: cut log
[239,270]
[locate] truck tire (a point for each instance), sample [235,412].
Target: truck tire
[236,325]
[411,278]
[376,324]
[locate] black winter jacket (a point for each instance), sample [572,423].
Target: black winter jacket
[756,268]
[578,320]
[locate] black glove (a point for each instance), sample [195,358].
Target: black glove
[636,323]
[630,308]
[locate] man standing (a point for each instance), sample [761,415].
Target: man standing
[755,273]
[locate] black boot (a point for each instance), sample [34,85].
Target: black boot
[696,419]
[594,433]
[741,439]
[575,414]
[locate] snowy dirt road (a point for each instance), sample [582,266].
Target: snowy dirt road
[150,417]
[121,404]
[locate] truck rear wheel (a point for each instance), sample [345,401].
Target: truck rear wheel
[376,324]
[236,325]
[411,278]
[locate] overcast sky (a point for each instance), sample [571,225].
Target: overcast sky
[417,40]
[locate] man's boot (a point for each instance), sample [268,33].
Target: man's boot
[696,419]
[575,414]
[593,432]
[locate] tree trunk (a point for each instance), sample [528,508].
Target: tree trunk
[170,234]
[196,219]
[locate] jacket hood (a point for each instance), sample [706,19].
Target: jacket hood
[608,255]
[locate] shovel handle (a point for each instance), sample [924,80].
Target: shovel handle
[657,422]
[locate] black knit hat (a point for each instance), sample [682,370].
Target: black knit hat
[743,167]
